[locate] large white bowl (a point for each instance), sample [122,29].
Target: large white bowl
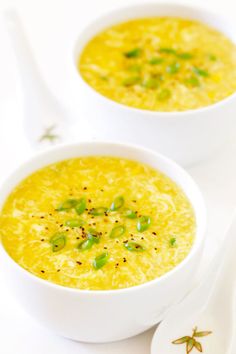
[187,137]
[103,316]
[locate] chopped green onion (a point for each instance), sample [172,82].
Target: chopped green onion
[104,78]
[173,68]
[58,242]
[200,72]
[167,50]
[143,223]
[67,205]
[135,68]
[100,260]
[117,231]
[74,223]
[117,203]
[85,245]
[151,83]
[134,247]
[155,61]
[185,56]
[164,95]
[130,214]
[173,242]
[192,81]
[98,211]
[133,53]
[130,81]
[93,235]
[212,57]
[80,206]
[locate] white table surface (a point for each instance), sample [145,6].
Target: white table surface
[52,26]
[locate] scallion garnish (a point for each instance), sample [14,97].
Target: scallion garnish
[173,68]
[143,223]
[185,56]
[164,95]
[155,61]
[85,245]
[172,242]
[130,81]
[100,260]
[151,83]
[134,247]
[117,203]
[80,206]
[117,231]
[74,223]
[58,241]
[130,214]
[133,53]
[98,211]
[200,72]
[167,50]
[93,235]
[67,205]
[192,81]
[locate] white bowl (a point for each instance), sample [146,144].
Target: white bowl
[103,316]
[187,137]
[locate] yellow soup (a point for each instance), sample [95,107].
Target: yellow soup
[97,223]
[161,64]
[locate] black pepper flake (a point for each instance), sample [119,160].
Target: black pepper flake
[77,238]
[105,248]
[89,200]
[42,239]
[116,221]
[102,190]
[94,223]
[154,233]
[83,229]
[50,214]
[92,217]
[42,271]
[41,217]
[142,238]
[46,228]
[124,260]
[78,262]
[105,213]
[155,249]
[125,241]
[61,225]
[85,188]
[58,270]
[134,201]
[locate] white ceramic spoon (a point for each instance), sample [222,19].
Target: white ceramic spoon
[46,121]
[209,307]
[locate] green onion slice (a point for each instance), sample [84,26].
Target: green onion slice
[143,223]
[117,231]
[164,95]
[67,205]
[98,211]
[130,214]
[100,260]
[173,68]
[117,203]
[85,245]
[58,241]
[80,206]
[155,61]
[192,81]
[200,72]
[167,50]
[93,235]
[74,223]
[172,242]
[130,81]
[134,247]
[133,53]
[151,83]
[185,56]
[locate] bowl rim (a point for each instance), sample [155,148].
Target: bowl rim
[198,242]
[148,113]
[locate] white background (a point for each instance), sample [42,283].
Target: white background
[52,27]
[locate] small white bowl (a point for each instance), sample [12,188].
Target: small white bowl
[187,137]
[104,316]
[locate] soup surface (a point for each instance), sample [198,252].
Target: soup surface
[97,223]
[161,64]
